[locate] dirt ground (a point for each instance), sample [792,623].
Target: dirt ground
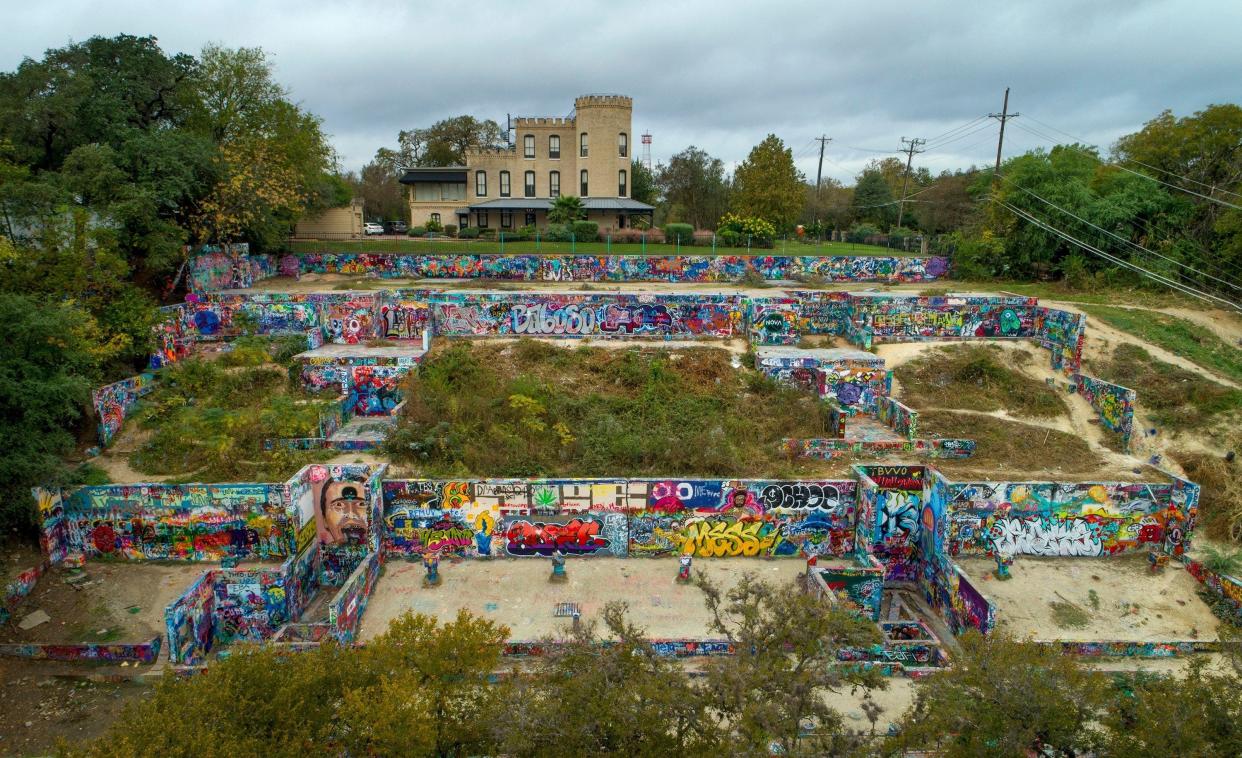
[1129,602]
[517,593]
[120,602]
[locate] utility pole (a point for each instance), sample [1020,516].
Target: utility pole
[911,149]
[819,172]
[1002,117]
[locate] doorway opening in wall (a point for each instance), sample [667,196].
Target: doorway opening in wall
[463,221]
[620,222]
[530,218]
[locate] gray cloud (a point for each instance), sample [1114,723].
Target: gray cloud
[717,76]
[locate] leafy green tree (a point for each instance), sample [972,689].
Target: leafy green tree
[444,143]
[772,691]
[381,193]
[695,187]
[873,199]
[49,361]
[607,695]
[1198,713]
[1005,698]
[946,204]
[768,185]
[421,688]
[643,187]
[566,209]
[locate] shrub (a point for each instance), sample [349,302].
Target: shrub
[434,226]
[860,233]
[728,238]
[450,230]
[487,234]
[558,233]
[585,231]
[679,232]
[417,231]
[469,233]
[635,236]
[757,231]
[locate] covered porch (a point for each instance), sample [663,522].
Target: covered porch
[510,214]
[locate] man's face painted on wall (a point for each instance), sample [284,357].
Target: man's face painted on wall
[344,513]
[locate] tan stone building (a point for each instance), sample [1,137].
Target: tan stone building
[587,154]
[332,223]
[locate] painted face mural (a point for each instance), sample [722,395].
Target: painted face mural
[340,510]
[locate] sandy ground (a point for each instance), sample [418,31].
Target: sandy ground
[1133,603]
[517,593]
[123,602]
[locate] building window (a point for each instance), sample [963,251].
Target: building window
[528,146]
[435,217]
[530,183]
[506,219]
[554,146]
[482,218]
[623,145]
[554,184]
[582,179]
[530,218]
[504,183]
[621,183]
[582,145]
[480,183]
[463,220]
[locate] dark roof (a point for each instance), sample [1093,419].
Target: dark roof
[434,174]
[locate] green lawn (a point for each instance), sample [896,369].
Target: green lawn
[459,247]
[1151,298]
[1177,335]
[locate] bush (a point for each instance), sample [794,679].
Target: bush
[558,233]
[679,232]
[750,229]
[860,233]
[527,231]
[635,236]
[585,231]
[728,238]
[488,234]
[469,233]
[434,226]
[417,231]
[450,230]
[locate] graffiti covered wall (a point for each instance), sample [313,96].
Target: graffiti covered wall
[1113,403]
[899,417]
[586,315]
[346,609]
[113,402]
[191,620]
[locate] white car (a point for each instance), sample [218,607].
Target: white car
[371,227]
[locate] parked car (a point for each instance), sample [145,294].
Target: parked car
[396,227]
[371,227]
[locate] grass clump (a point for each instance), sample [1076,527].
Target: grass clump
[1177,335]
[1004,445]
[210,422]
[1220,496]
[977,378]
[1171,395]
[534,409]
[1066,615]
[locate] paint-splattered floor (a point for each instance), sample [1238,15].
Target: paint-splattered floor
[517,593]
[1117,596]
[119,602]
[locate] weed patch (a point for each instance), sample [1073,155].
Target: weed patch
[1220,499]
[1177,335]
[1066,615]
[1004,445]
[1173,396]
[977,378]
[534,409]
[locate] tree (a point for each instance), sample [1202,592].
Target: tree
[643,186]
[1198,713]
[946,205]
[591,696]
[381,193]
[566,209]
[772,690]
[444,143]
[421,688]
[768,185]
[695,187]
[830,205]
[49,361]
[1005,698]
[873,200]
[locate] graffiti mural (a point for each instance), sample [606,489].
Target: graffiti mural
[346,609]
[577,536]
[113,402]
[1113,403]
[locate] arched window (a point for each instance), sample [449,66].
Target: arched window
[582,179]
[582,145]
[554,184]
[480,183]
[504,183]
[530,183]
[528,146]
[623,145]
[554,146]
[621,183]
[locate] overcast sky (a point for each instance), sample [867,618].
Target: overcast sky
[713,74]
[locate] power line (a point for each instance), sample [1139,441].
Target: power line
[1185,289]
[966,125]
[1119,237]
[912,148]
[1211,187]
[937,146]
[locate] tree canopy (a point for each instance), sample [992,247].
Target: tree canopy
[768,185]
[694,185]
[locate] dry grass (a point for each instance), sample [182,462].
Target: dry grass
[977,378]
[1220,500]
[1010,446]
[1174,397]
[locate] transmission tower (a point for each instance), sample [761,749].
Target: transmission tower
[647,150]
